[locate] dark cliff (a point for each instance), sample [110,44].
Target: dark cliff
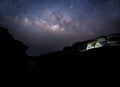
[13,58]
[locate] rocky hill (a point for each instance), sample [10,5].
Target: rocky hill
[85,63]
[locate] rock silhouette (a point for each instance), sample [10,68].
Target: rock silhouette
[11,48]
[14,57]
[76,66]
[72,66]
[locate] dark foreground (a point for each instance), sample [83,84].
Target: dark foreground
[94,67]
[67,68]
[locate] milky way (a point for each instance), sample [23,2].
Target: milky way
[49,25]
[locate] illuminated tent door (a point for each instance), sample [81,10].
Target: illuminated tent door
[97,45]
[93,44]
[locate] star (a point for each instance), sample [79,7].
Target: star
[71,6]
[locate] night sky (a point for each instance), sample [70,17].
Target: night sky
[50,25]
